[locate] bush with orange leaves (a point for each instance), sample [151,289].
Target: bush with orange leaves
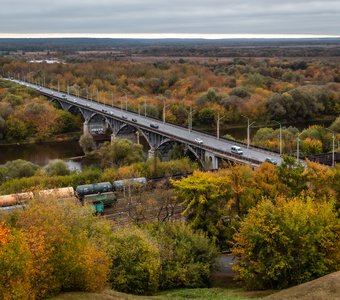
[53,246]
[14,264]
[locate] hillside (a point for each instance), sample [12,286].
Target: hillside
[324,288]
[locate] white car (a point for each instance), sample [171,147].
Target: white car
[236,150]
[198,141]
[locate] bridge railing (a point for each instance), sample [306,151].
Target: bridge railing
[237,143]
[226,154]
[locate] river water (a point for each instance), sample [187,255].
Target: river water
[42,153]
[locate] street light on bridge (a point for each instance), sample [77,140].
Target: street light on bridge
[218,125]
[248,130]
[190,119]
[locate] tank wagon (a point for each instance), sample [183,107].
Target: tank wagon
[119,185]
[15,199]
[99,194]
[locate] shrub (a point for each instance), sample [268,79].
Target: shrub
[187,258]
[14,265]
[135,262]
[57,167]
[288,243]
[66,245]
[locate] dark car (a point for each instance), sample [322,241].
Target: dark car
[271,160]
[134,120]
[154,125]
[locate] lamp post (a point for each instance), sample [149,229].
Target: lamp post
[280,136]
[144,107]
[218,125]
[248,130]
[164,107]
[298,147]
[333,146]
[190,119]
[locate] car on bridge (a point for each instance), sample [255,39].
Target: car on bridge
[124,117]
[134,120]
[154,125]
[199,141]
[236,150]
[271,160]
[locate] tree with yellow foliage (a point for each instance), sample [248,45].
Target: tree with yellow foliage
[287,243]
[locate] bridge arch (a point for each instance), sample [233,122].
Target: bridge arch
[98,123]
[58,104]
[75,110]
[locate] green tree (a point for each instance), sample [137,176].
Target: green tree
[15,130]
[205,197]
[336,125]
[287,243]
[188,258]
[135,262]
[293,175]
[87,143]
[240,92]
[119,152]
[19,168]
[57,167]
[206,116]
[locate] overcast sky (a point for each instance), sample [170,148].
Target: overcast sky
[171,16]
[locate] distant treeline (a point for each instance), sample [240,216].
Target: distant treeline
[181,47]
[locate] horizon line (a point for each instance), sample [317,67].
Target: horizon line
[208,36]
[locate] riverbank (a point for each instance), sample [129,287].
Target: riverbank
[70,136]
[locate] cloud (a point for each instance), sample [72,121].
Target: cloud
[185,16]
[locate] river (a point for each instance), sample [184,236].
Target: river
[42,153]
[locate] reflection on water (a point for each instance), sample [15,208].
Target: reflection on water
[73,165]
[40,154]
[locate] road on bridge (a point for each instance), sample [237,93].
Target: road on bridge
[219,147]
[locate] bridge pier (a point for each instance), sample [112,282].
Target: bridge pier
[151,153]
[86,127]
[211,161]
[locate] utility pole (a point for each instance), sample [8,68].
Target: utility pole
[144,107]
[218,125]
[190,119]
[163,110]
[248,130]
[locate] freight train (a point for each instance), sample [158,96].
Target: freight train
[98,194]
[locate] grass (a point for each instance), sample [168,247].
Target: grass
[199,294]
